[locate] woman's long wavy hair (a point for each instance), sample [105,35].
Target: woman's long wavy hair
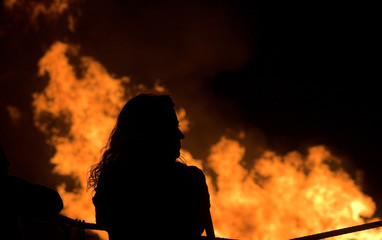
[141,121]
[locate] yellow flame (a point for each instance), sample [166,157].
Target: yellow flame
[283,197]
[280,197]
[89,106]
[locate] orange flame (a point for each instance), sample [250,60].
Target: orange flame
[284,197]
[280,197]
[88,107]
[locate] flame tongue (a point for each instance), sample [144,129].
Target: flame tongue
[284,197]
[86,108]
[281,197]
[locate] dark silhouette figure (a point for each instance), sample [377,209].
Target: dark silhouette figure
[141,190]
[20,198]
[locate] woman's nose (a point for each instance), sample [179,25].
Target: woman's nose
[181,135]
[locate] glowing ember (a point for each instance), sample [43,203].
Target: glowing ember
[281,197]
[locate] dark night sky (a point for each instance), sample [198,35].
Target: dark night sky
[293,74]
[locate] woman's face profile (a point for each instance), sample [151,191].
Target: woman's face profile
[170,136]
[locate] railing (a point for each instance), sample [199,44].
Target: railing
[67,224]
[342,231]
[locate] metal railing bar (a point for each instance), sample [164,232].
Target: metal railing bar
[328,234]
[93,226]
[341,231]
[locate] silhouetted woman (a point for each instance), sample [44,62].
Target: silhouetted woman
[141,190]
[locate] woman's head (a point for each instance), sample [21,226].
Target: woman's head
[147,126]
[146,133]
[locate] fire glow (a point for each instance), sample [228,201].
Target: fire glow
[280,197]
